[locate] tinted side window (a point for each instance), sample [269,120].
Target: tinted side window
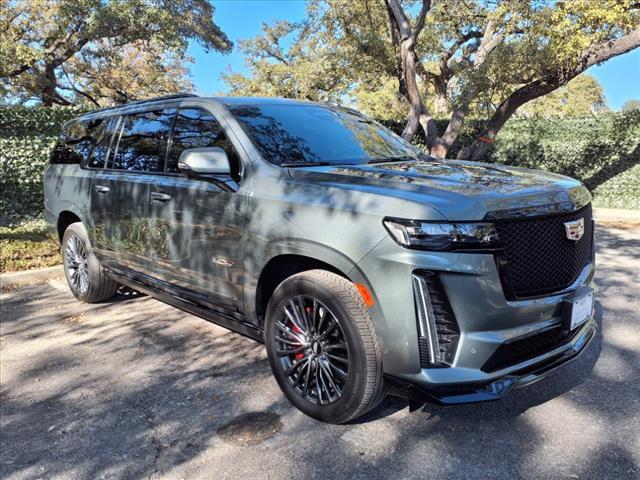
[143,142]
[102,141]
[197,128]
[76,142]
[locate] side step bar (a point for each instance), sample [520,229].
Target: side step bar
[208,314]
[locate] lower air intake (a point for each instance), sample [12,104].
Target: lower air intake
[437,327]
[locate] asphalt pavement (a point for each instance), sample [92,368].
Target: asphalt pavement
[136,389]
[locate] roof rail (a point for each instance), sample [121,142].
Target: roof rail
[148,100]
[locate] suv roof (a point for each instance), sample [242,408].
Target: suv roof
[142,102]
[227,101]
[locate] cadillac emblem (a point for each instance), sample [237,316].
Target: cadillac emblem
[574,229]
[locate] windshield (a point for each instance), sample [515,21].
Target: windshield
[313,134]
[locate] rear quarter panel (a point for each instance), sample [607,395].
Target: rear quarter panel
[66,188]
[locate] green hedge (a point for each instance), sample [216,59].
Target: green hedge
[27,136]
[597,150]
[601,151]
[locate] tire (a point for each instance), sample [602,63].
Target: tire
[85,277]
[308,361]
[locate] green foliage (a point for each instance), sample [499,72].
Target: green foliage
[621,191]
[27,136]
[597,150]
[603,151]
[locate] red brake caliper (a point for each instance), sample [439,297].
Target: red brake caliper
[295,328]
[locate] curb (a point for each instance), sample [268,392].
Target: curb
[616,214]
[617,218]
[16,279]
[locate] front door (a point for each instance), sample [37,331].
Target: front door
[196,226]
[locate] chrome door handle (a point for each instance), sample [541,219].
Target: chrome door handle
[160,197]
[101,189]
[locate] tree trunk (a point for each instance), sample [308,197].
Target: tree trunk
[480,147]
[445,142]
[418,115]
[49,91]
[49,86]
[401,30]
[441,104]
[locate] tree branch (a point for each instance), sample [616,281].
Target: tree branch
[404,27]
[426,6]
[610,49]
[547,84]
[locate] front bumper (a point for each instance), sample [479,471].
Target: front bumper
[519,375]
[487,321]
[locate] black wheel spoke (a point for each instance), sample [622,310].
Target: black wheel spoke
[318,386]
[290,333]
[299,338]
[329,376]
[338,359]
[305,391]
[300,374]
[330,328]
[303,315]
[296,365]
[338,370]
[314,314]
[290,351]
[323,315]
[288,342]
[295,318]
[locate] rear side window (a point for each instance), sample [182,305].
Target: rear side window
[142,142]
[102,141]
[196,128]
[76,142]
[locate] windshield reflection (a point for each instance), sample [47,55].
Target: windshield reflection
[294,133]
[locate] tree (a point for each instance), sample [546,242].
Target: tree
[66,51]
[581,96]
[631,105]
[472,57]
[309,68]
[102,74]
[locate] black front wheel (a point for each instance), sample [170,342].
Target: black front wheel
[322,346]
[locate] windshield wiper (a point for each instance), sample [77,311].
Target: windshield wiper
[391,159]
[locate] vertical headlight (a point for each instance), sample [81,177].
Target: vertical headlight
[442,236]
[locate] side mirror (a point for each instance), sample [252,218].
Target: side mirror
[204,161]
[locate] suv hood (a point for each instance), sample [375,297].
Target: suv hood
[458,190]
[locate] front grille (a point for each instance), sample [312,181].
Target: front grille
[517,351]
[538,258]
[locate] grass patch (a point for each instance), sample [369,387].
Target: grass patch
[27,247]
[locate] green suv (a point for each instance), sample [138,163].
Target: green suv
[360,262]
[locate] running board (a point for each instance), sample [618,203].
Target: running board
[208,314]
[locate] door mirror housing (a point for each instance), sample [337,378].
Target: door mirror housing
[204,161]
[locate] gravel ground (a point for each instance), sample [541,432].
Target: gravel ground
[137,389]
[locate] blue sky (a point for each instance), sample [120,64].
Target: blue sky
[240,19]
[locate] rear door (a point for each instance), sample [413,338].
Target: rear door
[197,225]
[120,192]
